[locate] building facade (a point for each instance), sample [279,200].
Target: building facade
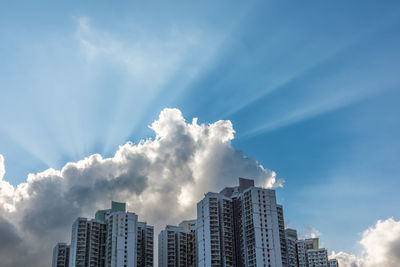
[60,255]
[311,243]
[145,244]
[301,253]
[191,226]
[121,239]
[291,247]
[317,258]
[261,228]
[240,226]
[173,247]
[282,236]
[215,231]
[114,238]
[87,243]
[333,263]
[95,246]
[78,248]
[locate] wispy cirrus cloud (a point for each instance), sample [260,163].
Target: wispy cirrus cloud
[146,62]
[100,73]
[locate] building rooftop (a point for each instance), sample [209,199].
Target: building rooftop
[115,206]
[243,185]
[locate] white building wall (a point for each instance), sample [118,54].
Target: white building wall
[215,231]
[110,240]
[190,226]
[260,244]
[121,240]
[317,257]
[203,233]
[292,252]
[173,244]
[301,253]
[78,243]
[264,216]
[95,245]
[60,257]
[333,263]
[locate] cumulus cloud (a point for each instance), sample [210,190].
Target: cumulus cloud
[6,189]
[174,169]
[381,247]
[347,260]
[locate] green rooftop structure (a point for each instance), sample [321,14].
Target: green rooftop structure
[115,206]
[118,206]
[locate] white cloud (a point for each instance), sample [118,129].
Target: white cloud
[174,169]
[346,260]
[382,243]
[381,247]
[6,189]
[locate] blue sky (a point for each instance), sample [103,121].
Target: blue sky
[311,88]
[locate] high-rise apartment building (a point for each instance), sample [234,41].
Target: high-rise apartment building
[173,247]
[302,247]
[114,238]
[311,243]
[190,226]
[310,255]
[78,247]
[96,235]
[317,257]
[145,244]
[240,226]
[215,231]
[282,237]
[61,255]
[333,263]
[291,233]
[291,247]
[301,253]
[261,228]
[121,239]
